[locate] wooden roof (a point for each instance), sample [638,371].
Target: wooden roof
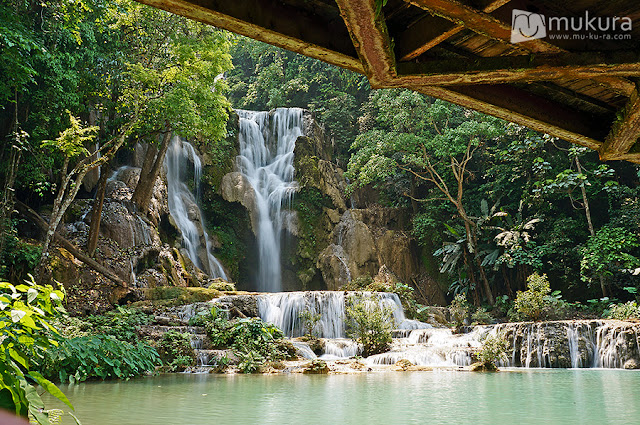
[579,88]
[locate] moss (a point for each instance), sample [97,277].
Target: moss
[176,295]
[313,236]
[231,225]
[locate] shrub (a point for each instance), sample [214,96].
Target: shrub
[121,323]
[252,340]
[530,304]
[493,349]
[369,324]
[481,317]
[310,319]
[626,311]
[98,356]
[250,361]
[358,284]
[25,333]
[459,309]
[204,316]
[405,292]
[175,351]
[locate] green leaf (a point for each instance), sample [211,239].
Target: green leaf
[50,387]
[32,294]
[17,315]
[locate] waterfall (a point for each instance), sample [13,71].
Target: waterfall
[184,208]
[285,309]
[267,141]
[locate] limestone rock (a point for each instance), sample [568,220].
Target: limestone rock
[333,266]
[247,304]
[316,366]
[402,364]
[236,188]
[357,241]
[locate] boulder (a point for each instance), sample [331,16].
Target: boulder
[236,188]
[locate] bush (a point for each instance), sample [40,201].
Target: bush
[204,316]
[530,304]
[254,342]
[369,324]
[412,308]
[626,311]
[175,351]
[310,319]
[121,323]
[493,349]
[459,309]
[98,356]
[481,317]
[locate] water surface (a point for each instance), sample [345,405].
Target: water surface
[440,397]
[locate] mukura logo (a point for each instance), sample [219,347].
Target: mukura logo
[531,26]
[527,26]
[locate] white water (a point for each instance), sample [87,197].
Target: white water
[267,141]
[184,208]
[433,347]
[284,309]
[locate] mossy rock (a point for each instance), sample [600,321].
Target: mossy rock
[316,366]
[176,295]
[483,367]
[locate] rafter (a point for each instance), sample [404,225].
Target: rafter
[371,39]
[431,31]
[511,69]
[487,25]
[624,132]
[273,22]
[526,109]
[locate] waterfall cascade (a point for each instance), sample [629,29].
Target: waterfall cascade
[576,344]
[561,344]
[284,309]
[184,208]
[267,141]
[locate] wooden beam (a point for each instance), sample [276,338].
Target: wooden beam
[371,39]
[624,132]
[527,109]
[431,31]
[273,22]
[487,25]
[525,68]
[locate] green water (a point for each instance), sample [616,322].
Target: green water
[518,397]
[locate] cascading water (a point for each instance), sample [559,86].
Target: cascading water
[286,308]
[184,208]
[267,141]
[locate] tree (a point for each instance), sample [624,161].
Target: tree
[430,142]
[608,252]
[175,66]
[70,143]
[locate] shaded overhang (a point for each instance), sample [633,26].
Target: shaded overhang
[578,82]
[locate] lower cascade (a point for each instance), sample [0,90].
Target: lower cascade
[560,344]
[184,208]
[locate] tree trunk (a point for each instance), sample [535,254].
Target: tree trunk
[592,232]
[7,201]
[144,190]
[96,211]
